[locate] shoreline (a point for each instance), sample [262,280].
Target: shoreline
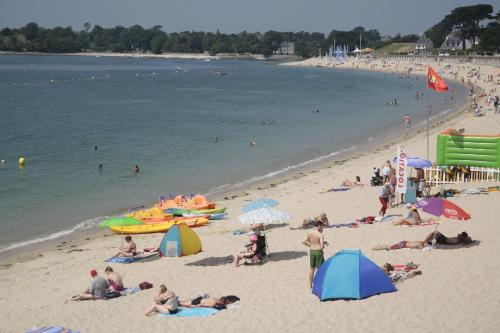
[282,278]
[29,249]
[166,55]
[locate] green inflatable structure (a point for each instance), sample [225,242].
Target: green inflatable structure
[454,148]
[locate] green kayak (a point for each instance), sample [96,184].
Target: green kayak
[119,222]
[181,211]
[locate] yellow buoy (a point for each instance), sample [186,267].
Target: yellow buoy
[21,160]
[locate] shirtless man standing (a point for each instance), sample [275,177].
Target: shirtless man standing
[129,249]
[316,242]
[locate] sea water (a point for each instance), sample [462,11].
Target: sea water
[187,124]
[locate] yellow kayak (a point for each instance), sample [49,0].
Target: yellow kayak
[157,227]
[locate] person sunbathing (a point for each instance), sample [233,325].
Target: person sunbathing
[249,252]
[412,217]
[127,250]
[114,280]
[165,302]
[308,223]
[433,238]
[348,183]
[397,275]
[209,302]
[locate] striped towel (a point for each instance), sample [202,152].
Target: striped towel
[52,329]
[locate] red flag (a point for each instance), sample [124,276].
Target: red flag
[434,81]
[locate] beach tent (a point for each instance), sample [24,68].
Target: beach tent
[179,241]
[356,51]
[350,275]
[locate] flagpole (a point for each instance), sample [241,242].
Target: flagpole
[428,118]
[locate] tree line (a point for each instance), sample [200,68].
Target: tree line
[468,22]
[33,38]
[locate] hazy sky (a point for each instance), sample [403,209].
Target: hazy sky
[388,16]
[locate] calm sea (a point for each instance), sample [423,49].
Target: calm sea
[164,115]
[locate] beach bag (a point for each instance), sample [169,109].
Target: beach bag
[145,285]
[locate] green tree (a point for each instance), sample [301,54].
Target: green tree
[489,36]
[466,20]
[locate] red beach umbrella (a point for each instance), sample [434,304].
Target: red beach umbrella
[440,207]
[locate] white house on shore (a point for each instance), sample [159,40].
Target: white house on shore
[454,43]
[423,45]
[285,48]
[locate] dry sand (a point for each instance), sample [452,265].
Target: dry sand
[458,290]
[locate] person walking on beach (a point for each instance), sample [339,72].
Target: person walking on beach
[407,119]
[384,194]
[316,242]
[495,103]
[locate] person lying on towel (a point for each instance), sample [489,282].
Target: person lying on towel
[308,223]
[209,302]
[433,238]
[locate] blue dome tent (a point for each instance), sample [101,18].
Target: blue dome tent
[350,275]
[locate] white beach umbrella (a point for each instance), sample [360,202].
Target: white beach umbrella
[264,215]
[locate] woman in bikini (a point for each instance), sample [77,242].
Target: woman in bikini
[348,183]
[113,279]
[461,239]
[165,302]
[250,251]
[412,218]
[129,249]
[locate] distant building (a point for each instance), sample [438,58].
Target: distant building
[453,42]
[285,48]
[423,45]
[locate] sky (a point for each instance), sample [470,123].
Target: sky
[389,17]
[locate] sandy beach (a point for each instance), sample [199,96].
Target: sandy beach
[456,292]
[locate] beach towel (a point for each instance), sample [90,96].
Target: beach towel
[191,312]
[401,271]
[52,329]
[340,225]
[406,267]
[130,291]
[129,260]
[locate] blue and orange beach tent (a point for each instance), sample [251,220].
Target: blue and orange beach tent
[350,275]
[179,241]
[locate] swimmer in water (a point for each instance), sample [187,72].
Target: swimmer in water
[99,167]
[216,138]
[136,169]
[95,148]
[253,144]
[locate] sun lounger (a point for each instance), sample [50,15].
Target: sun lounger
[191,312]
